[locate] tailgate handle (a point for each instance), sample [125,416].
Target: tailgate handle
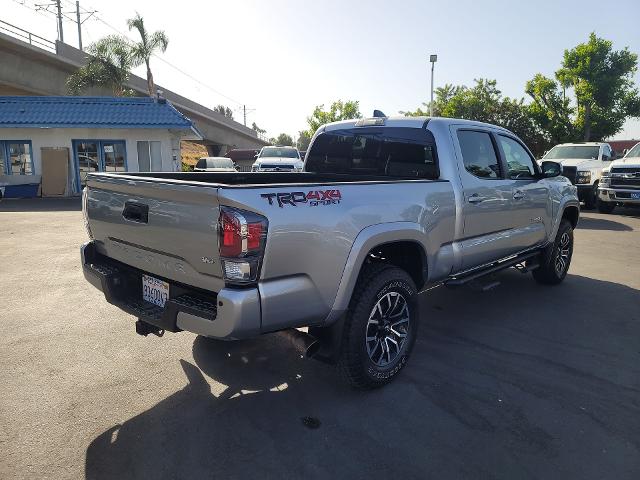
[136,212]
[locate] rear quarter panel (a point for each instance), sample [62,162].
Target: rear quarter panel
[308,244]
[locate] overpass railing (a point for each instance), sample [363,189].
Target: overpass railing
[27,36]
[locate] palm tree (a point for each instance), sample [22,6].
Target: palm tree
[109,64]
[143,49]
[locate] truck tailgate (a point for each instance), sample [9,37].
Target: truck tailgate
[167,229]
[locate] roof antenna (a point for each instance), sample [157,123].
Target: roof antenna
[378,114]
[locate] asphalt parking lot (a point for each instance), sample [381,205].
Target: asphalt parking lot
[520,382]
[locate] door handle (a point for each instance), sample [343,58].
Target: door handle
[475,198]
[136,212]
[518,195]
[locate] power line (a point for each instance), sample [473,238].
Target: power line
[40,12]
[175,67]
[41,8]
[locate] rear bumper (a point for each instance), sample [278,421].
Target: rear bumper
[230,314]
[618,195]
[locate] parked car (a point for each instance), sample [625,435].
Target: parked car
[386,208]
[278,159]
[582,163]
[243,158]
[620,182]
[215,164]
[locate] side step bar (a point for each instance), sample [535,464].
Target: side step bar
[464,278]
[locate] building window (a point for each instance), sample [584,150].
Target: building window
[16,157]
[99,156]
[149,156]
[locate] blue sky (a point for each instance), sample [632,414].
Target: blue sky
[283,57]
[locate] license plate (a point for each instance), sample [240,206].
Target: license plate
[635,195]
[154,290]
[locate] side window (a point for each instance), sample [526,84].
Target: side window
[519,162]
[478,154]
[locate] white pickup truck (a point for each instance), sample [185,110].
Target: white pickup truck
[620,182]
[583,163]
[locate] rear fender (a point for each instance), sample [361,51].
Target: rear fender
[366,240]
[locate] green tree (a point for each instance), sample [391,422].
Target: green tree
[303,141]
[339,110]
[222,110]
[551,110]
[257,129]
[141,51]
[109,64]
[601,80]
[443,96]
[484,102]
[282,140]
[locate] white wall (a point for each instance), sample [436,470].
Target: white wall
[62,137]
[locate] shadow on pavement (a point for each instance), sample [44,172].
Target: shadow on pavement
[521,381]
[41,204]
[599,223]
[633,212]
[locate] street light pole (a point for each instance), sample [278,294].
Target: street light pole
[433,59]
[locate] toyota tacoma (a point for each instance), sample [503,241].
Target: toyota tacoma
[385,208]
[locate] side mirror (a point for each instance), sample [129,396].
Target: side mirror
[551,169]
[256,155]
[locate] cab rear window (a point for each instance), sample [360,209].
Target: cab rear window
[385,152]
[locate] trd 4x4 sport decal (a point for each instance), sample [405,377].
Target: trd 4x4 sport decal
[312,198]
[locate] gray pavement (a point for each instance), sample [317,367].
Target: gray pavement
[520,382]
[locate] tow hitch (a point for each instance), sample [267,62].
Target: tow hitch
[143,328]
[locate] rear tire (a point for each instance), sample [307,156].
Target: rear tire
[380,327]
[606,207]
[556,258]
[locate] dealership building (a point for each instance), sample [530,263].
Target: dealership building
[49,144]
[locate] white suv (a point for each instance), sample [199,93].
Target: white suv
[582,163]
[278,159]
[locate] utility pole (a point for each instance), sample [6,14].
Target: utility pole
[244,110]
[433,59]
[80,21]
[60,33]
[79,25]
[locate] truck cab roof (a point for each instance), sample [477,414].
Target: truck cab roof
[578,144]
[407,122]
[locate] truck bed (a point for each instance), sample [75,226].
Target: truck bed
[238,179]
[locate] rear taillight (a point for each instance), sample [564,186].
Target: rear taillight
[241,236]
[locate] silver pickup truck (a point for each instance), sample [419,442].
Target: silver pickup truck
[385,208]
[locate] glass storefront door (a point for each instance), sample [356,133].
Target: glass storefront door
[87,158]
[113,155]
[99,156]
